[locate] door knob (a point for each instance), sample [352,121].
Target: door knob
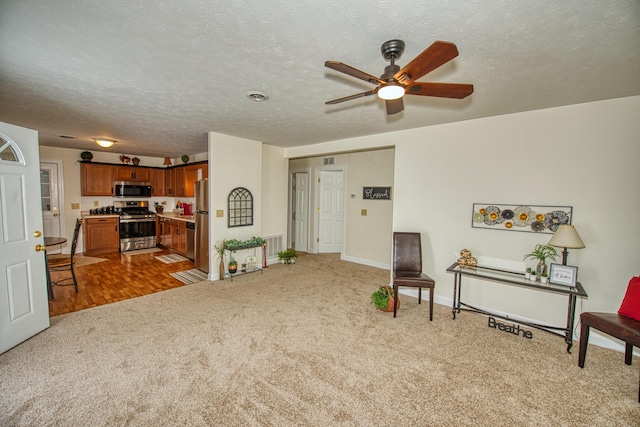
[40,248]
[37,233]
[55,214]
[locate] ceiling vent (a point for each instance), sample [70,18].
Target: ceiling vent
[329,161]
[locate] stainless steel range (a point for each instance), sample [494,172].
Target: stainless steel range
[137,225]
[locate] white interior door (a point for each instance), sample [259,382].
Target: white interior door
[331,218]
[301,211]
[50,192]
[24,310]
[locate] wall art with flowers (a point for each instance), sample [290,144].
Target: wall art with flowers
[527,218]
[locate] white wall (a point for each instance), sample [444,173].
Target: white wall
[585,156]
[274,191]
[366,238]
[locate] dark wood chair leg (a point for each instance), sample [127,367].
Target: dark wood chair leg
[584,339]
[430,304]
[419,295]
[395,300]
[628,353]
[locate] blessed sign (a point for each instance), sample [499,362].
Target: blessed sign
[376,193]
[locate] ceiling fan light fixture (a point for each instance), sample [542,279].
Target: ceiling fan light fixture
[105,143]
[391,91]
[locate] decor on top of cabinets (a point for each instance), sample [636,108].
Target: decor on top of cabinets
[541,253]
[240,206]
[125,159]
[533,219]
[86,156]
[135,161]
[185,158]
[167,161]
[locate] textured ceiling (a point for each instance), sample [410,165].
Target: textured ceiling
[157,76]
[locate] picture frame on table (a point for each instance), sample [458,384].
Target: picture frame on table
[565,275]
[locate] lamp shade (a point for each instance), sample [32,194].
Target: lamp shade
[566,236]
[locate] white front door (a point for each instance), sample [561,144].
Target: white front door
[301,211]
[24,310]
[50,184]
[331,218]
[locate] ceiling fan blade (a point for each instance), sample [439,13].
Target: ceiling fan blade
[347,69]
[441,90]
[439,53]
[349,98]
[394,106]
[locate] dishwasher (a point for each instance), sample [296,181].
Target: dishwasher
[191,239]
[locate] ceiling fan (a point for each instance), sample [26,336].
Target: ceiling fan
[397,82]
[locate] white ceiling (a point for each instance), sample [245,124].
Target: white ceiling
[157,76]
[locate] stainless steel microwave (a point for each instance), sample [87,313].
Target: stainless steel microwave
[132,189]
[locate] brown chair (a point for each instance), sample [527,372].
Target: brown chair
[621,327]
[66,263]
[407,268]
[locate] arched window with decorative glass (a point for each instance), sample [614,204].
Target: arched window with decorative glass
[240,204]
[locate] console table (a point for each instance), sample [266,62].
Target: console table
[516,279]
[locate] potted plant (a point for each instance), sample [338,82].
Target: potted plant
[544,277]
[232,266]
[542,253]
[533,275]
[288,256]
[159,207]
[527,273]
[383,298]
[86,156]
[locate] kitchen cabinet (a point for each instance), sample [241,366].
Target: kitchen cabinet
[132,173]
[101,235]
[180,180]
[180,184]
[157,182]
[170,182]
[163,232]
[179,236]
[96,179]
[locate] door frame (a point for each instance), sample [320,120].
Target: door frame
[290,227]
[316,208]
[61,210]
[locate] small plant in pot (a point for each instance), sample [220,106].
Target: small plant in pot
[220,247]
[232,266]
[288,256]
[383,298]
[542,253]
[527,273]
[544,277]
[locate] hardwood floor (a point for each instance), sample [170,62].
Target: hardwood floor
[119,278]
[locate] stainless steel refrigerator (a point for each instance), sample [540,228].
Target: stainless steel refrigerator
[202,226]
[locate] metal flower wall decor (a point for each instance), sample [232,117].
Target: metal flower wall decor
[530,218]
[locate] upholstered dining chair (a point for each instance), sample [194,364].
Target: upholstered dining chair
[623,325]
[66,263]
[407,268]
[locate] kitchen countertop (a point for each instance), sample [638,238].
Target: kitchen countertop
[173,215]
[90,215]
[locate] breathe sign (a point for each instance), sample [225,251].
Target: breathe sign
[376,193]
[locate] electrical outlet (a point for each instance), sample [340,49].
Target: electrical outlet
[75,205]
[219,213]
[164,203]
[96,203]
[363,212]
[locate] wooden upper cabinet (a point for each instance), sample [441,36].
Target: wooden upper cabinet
[180,184]
[170,182]
[97,179]
[157,182]
[132,173]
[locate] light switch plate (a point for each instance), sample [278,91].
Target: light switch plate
[75,205]
[96,203]
[363,212]
[219,213]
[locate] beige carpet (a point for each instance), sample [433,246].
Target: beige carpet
[301,345]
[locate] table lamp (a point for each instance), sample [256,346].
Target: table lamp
[566,237]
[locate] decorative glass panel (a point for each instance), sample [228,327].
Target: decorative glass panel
[9,151]
[45,189]
[240,207]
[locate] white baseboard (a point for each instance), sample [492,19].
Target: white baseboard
[366,262]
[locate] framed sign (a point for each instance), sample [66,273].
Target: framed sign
[376,193]
[563,275]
